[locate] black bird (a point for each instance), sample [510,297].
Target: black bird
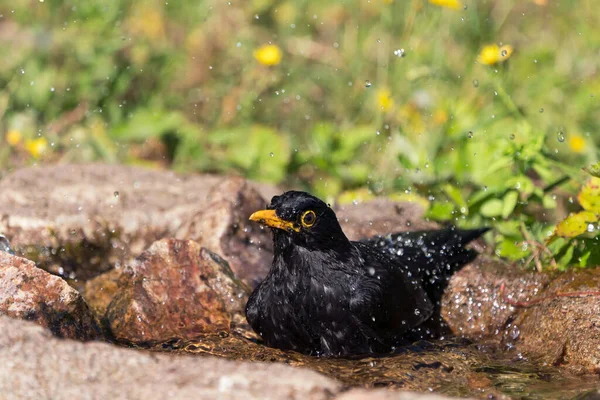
[325,295]
[5,245]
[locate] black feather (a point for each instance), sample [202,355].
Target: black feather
[326,295]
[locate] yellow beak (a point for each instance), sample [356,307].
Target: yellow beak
[269,218]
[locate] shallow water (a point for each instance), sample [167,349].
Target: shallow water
[453,367]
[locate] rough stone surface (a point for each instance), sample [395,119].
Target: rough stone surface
[380,217]
[562,324]
[28,292]
[37,366]
[99,291]
[81,220]
[474,303]
[175,289]
[223,226]
[382,394]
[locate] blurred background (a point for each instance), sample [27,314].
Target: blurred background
[482,111]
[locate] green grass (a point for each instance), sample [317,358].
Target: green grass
[176,84]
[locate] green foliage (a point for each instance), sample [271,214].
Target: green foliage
[340,110]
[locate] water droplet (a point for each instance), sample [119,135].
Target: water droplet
[367,83]
[470,135]
[417,311]
[116,194]
[272,154]
[560,136]
[503,53]
[512,136]
[400,53]
[541,110]
[590,228]
[475,83]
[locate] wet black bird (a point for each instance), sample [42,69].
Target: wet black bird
[326,295]
[5,245]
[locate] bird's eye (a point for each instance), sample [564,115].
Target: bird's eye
[308,218]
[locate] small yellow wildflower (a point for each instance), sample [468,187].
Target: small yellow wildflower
[268,54]
[440,117]
[541,2]
[493,54]
[384,99]
[577,143]
[13,137]
[36,147]
[148,21]
[454,4]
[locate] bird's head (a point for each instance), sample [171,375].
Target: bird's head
[298,218]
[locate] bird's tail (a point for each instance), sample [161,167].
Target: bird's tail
[434,255]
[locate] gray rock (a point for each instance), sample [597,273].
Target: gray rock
[382,394]
[38,366]
[81,220]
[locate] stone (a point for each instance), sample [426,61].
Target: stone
[81,220]
[380,217]
[30,293]
[382,394]
[38,366]
[561,325]
[175,289]
[99,291]
[223,227]
[474,304]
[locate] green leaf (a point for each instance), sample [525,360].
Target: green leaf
[589,196]
[593,170]
[454,193]
[575,224]
[549,201]
[146,124]
[509,203]
[511,249]
[440,211]
[492,208]
[521,183]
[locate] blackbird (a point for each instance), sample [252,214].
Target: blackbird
[5,245]
[326,295]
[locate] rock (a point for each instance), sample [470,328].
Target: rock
[82,220]
[382,394]
[27,292]
[474,304]
[562,324]
[37,366]
[222,226]
[99,291]
[175,289]
[380,217]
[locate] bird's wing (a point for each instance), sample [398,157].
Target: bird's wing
[388,300]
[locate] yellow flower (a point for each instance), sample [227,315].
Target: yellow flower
[493,54]
[36,147]
[440,117]
[455,4]
[577,143]
[13,137]
[384,99]
[148,21]
[268,54]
